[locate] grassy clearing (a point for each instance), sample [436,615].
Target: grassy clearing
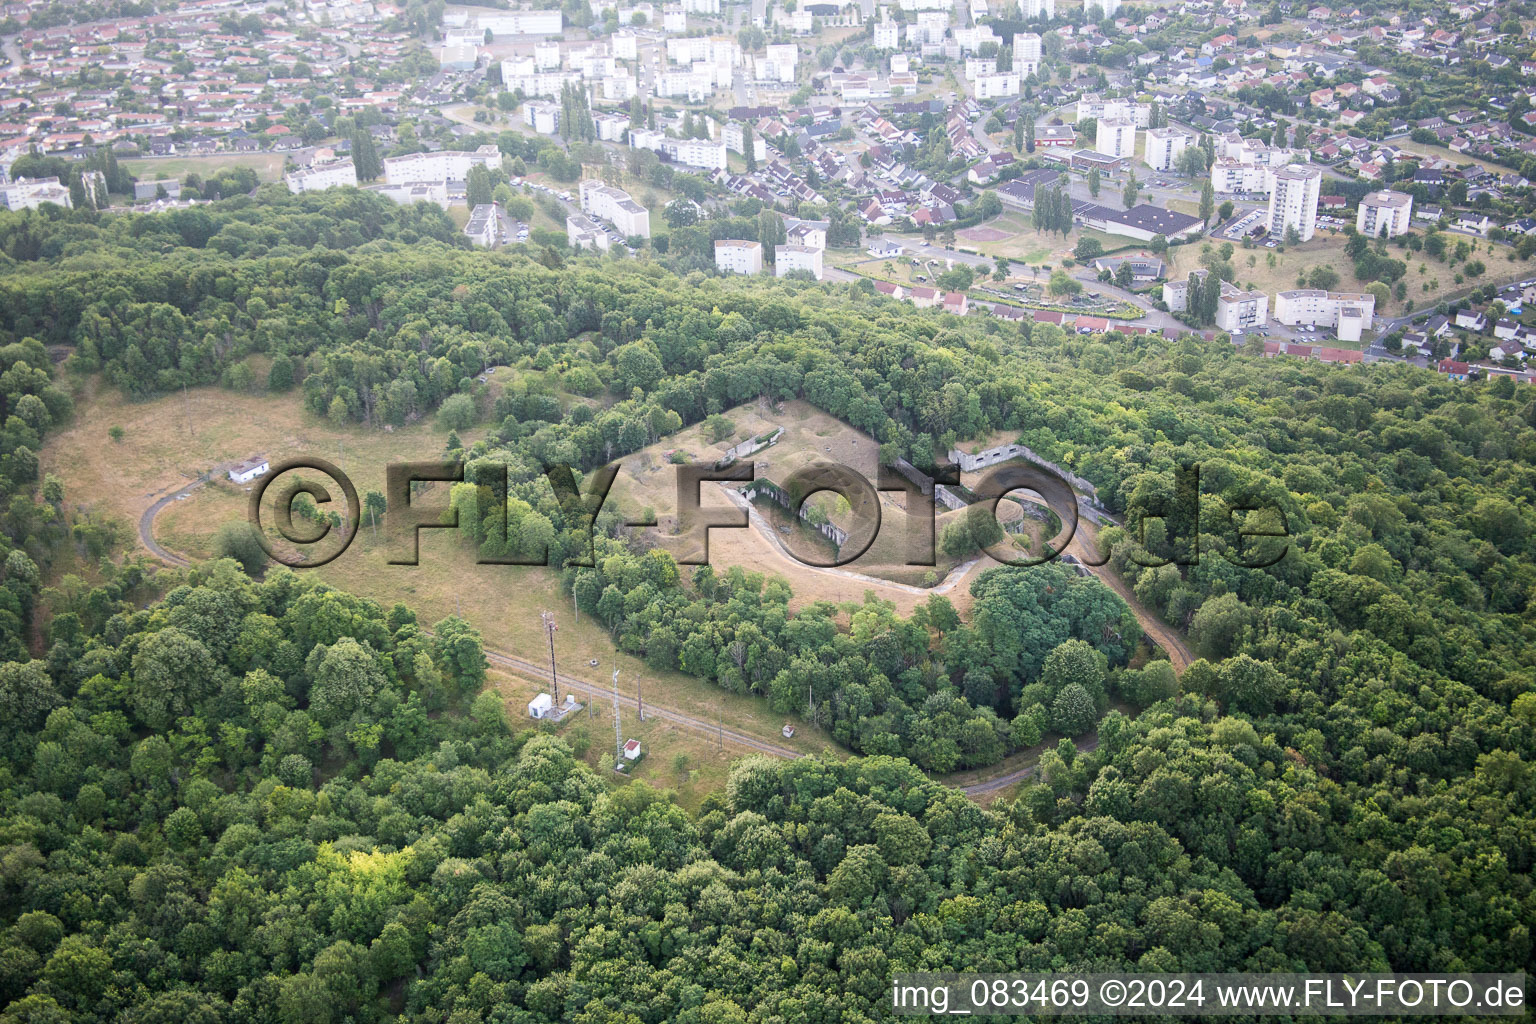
[682,760]
[169,441]
[160,454]
[1442,153]
[268,166]
[1428,279]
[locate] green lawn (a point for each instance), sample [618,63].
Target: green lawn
[268,166]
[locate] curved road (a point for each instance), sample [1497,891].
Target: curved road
[147,523]
[1169,640]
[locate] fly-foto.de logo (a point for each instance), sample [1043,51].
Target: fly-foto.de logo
[1179,512]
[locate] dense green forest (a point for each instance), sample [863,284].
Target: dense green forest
[237,799]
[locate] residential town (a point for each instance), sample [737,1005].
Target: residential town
[998,158]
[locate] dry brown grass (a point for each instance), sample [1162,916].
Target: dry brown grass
[159,454]
[1327,249]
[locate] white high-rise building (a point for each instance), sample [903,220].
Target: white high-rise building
[737,256]
[1293,202]
[993,87]
[1163,147]
[1116,137]
[887,35]
[1384,214]
[1098,10]
[1037,9]
[542,117]
[1027,47]
[734,135]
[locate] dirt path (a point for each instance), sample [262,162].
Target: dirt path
[595,691]
[992,785]
[1083,547]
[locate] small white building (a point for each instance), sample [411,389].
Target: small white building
[808,232]
[484,227]
[542,706]
[611,127]
[616,207]
[1239,310]
[582,232]
[250,469]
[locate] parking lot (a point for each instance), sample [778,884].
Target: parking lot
[1245,225]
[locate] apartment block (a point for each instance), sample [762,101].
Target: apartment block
[738,256]
[1348,313]
[616,207]
[787,258]
[1239,310]
[1384,214]
[1116,137]
[1293,201]
[1163,147]
[312,179]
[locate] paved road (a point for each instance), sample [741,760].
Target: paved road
[1014,777]
[147,523]
[938,252]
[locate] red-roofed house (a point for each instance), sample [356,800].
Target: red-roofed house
[923,297]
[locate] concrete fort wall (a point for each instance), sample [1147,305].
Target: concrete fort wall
[1004,452]
[751,446]
[776,494]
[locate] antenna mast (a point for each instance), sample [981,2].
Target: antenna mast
[554,680]
[618,729]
